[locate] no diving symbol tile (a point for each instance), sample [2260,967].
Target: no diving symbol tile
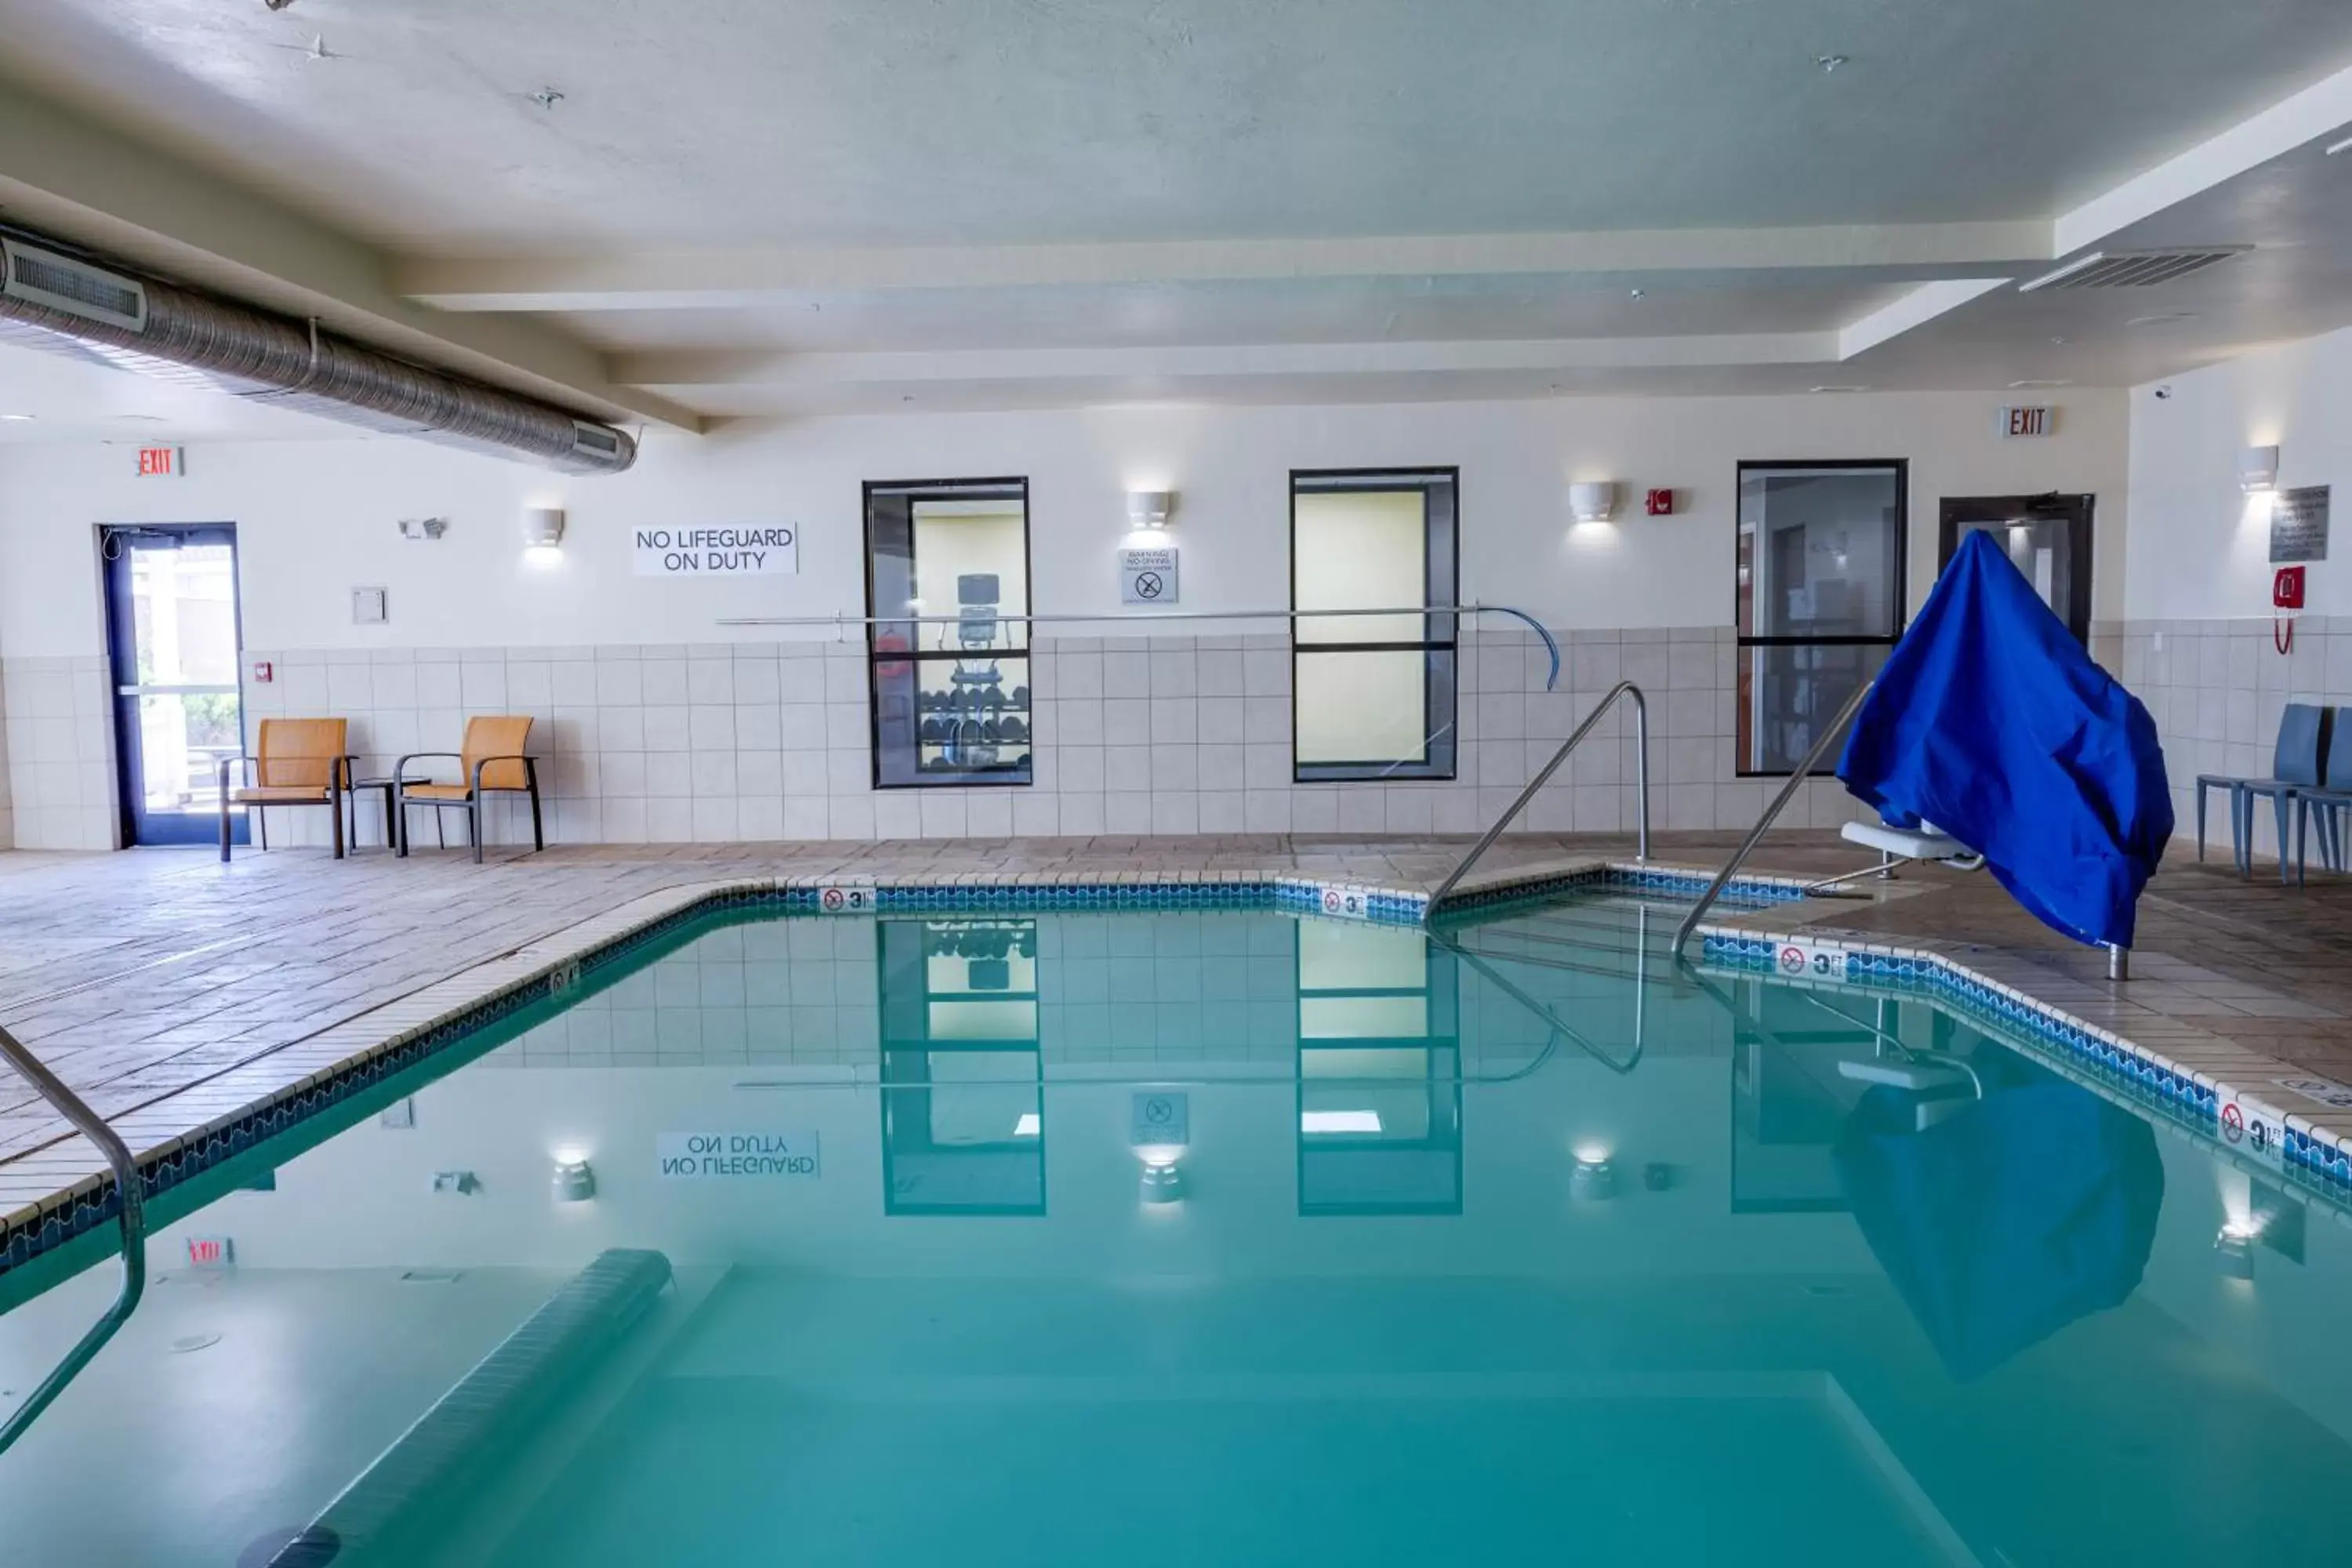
[1344,903]
[845,901]
[2258,1129]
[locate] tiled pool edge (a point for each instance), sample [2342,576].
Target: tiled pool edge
[2312,1154]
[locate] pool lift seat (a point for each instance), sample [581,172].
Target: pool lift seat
[1895,846]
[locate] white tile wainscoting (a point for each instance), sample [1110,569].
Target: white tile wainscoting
[7,787]
[752,741]
[2217,689]
[59,740]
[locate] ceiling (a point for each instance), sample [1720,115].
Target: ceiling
[760,207]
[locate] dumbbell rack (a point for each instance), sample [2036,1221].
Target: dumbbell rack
[968,727]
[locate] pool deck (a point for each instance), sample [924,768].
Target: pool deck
[171,991]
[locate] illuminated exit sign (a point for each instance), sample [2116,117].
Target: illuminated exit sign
[162,462]
[2019,422]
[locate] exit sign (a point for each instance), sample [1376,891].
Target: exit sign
[162,462]
[2017,422]
[211,1252]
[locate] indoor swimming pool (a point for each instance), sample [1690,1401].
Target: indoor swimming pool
[1208,1236]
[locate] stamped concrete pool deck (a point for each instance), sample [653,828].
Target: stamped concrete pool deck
[170,990]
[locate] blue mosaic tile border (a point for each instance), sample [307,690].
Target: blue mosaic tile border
[1617,876]
[2135,1075]
[72,1214]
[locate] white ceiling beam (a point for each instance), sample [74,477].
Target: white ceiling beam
[687,280]
[92,184]
[685,370]
[1916,307]
[2322,110]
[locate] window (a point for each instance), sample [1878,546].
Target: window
[1820,598]
[1372,696]
[950,697]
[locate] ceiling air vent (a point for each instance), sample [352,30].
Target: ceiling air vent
[72,287]
[2133,269]
[596,441]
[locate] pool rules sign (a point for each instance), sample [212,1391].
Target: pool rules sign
[1147,576]
[738,550]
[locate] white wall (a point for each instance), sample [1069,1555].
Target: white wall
[785,753]
[2199,550]
[316,520]
[2199,644]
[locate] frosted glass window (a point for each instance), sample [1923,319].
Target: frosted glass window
[1373,693]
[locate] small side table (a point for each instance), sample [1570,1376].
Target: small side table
[390,788]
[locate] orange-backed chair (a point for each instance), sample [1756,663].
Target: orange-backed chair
[294,762]
[493,761]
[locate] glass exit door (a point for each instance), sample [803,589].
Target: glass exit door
[172,631]
[2048,537]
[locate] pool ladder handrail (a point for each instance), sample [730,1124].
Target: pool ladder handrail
[1800,774]
[93,1127]
[1641,786]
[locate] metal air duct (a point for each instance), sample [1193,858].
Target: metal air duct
[53,297]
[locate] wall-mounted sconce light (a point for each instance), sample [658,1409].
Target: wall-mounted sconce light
[2258,469]
[1592,500]
[1149,510]
[573,1181]
[543,527]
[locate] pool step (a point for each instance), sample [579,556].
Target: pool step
[454,1442]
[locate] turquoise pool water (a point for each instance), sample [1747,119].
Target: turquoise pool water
[1209,1237]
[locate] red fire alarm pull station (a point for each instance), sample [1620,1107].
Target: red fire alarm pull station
[1660,504]
[2287,594]
[263,672]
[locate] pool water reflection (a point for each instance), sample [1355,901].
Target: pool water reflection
[1220,1236]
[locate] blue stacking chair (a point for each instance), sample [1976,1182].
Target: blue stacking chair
[2328,801]
[2295,768]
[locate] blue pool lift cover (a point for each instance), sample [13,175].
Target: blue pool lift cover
[2016,1217]
[1990,721]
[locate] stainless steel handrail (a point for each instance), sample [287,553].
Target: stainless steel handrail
[1800,774]
[1641,785]
[93,1127]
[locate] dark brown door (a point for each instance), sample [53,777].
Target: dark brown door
[2047,536]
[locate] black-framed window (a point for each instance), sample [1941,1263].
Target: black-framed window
[1373,696]
[1819,598]
[951,682]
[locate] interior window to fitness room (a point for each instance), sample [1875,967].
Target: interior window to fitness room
[1820,598]
[1373,695]
[951,681]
